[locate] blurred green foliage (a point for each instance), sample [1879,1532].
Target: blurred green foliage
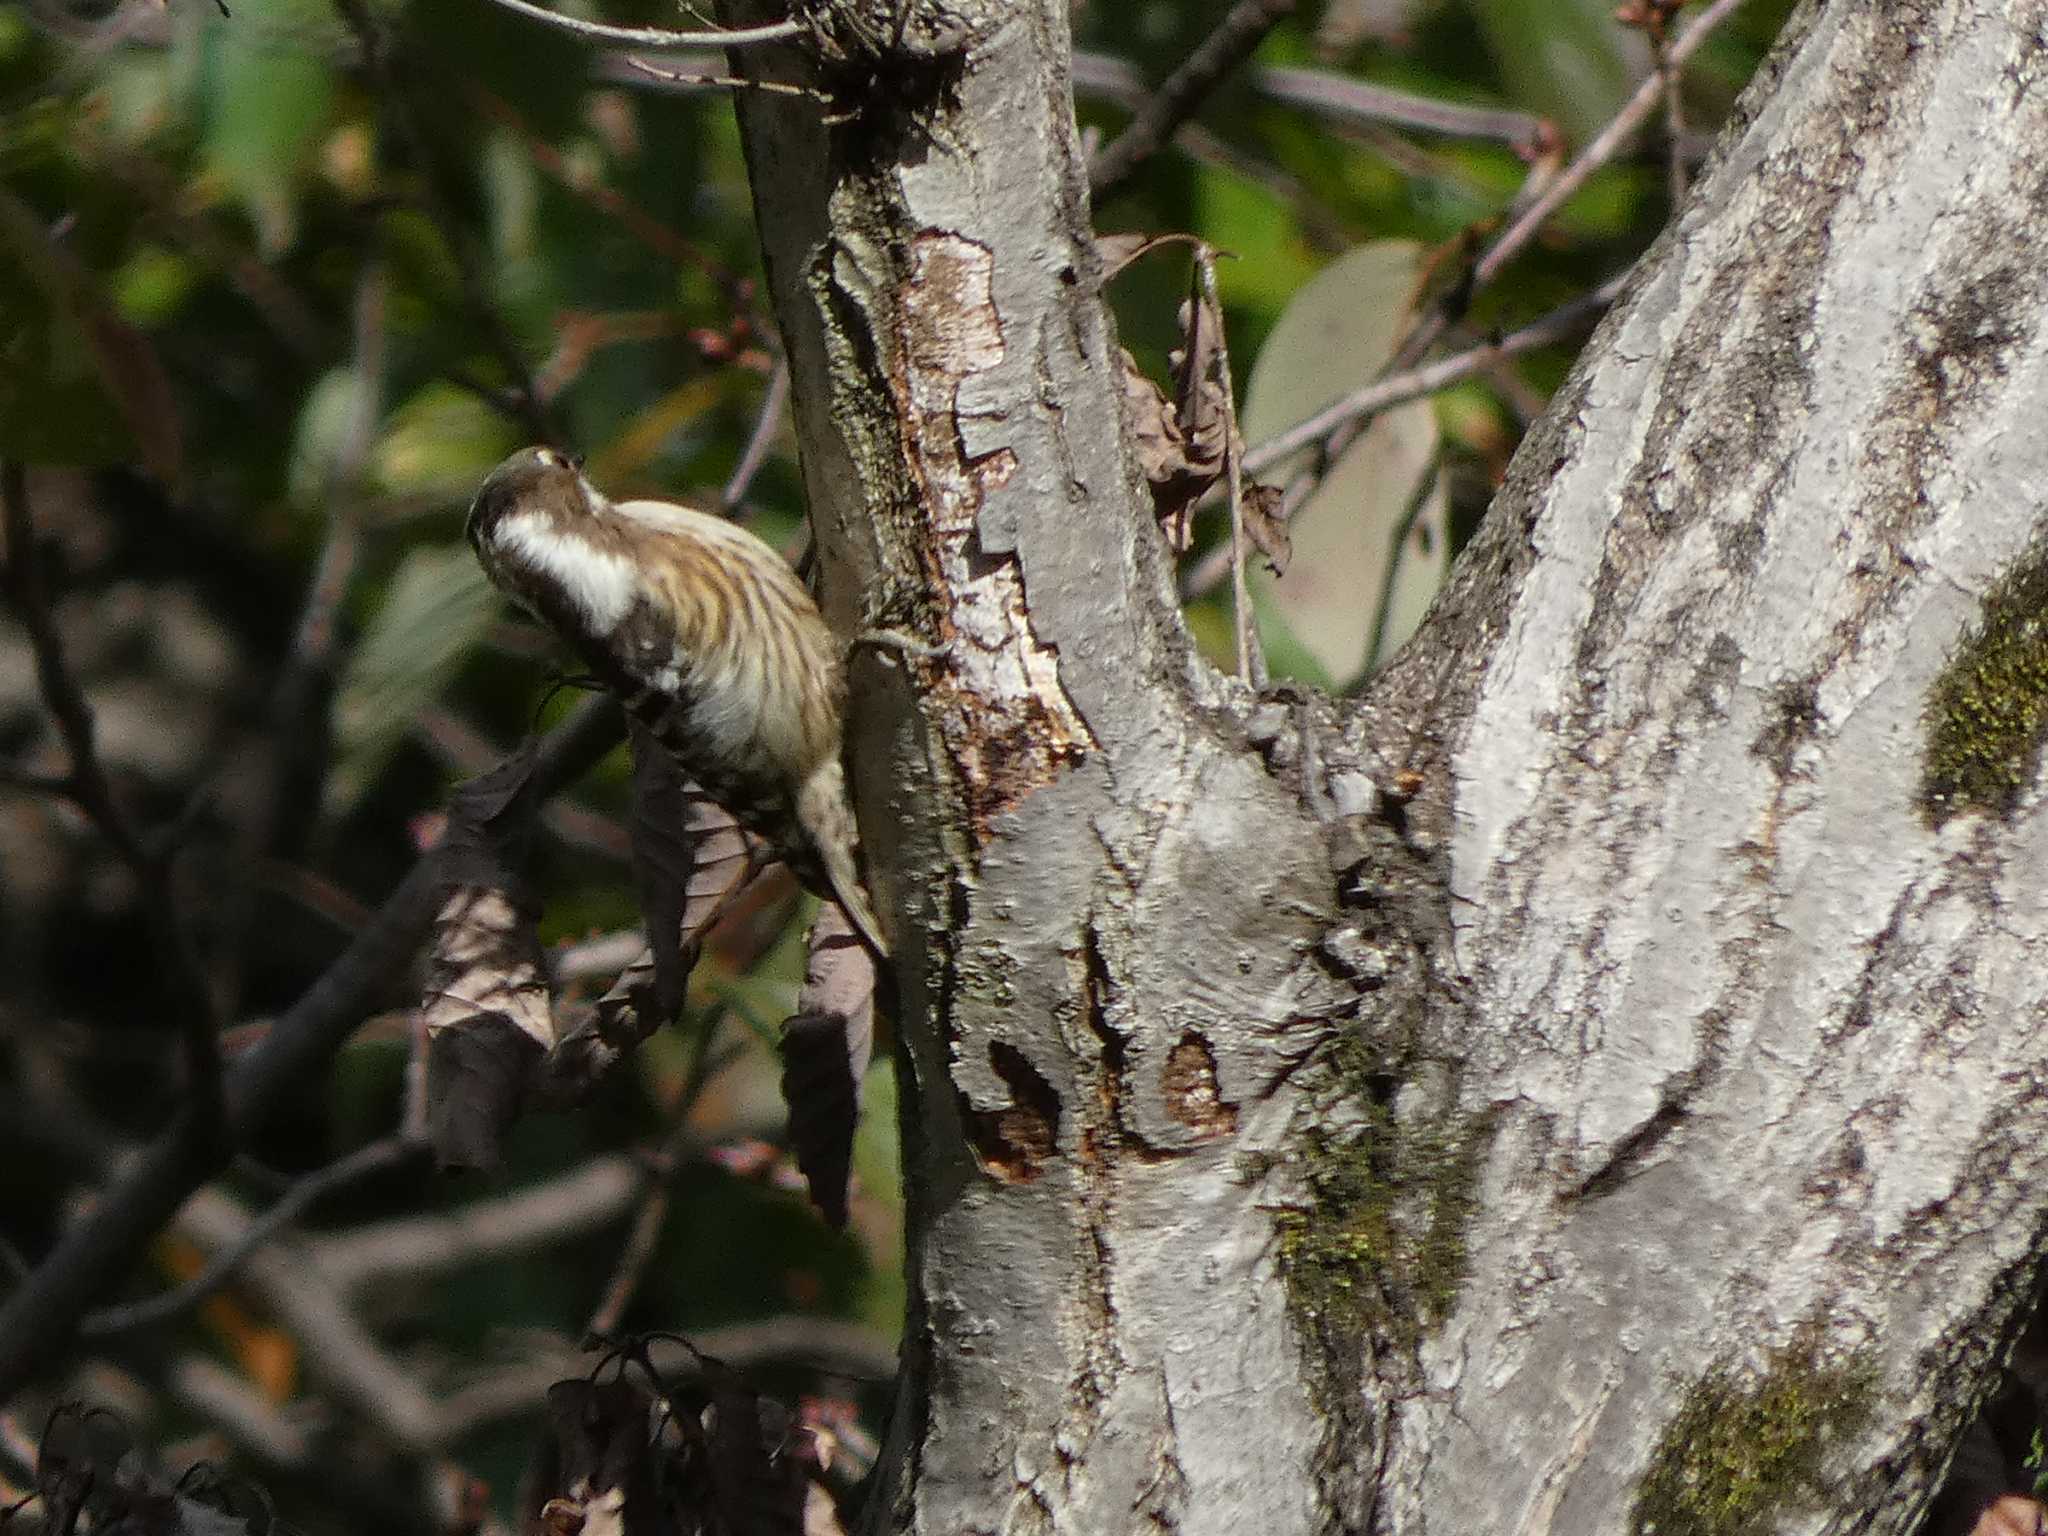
[272,296]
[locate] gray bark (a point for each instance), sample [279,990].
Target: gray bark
[1591,1083]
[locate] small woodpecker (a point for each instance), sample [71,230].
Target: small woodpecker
[708,639]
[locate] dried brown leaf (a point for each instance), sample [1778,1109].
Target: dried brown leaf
[826,1047]
[1265,522]
[1162,453]
[595,1475]
[692,860]
[1199,397]
[664,859]
[486,1008]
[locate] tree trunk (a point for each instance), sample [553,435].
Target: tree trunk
[1585,1085]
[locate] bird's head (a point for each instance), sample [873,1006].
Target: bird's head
[533,480]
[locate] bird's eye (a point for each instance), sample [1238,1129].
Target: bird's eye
[575,461]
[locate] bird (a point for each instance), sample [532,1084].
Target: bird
[706,636]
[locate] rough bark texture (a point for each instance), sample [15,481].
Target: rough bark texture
[1591,1084]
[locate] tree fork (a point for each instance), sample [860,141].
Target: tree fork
[1577,1088]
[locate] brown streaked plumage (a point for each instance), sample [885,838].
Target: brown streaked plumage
[707,637]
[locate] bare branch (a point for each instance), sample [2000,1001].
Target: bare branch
[635,220]
[691,79]
[606,955]
[16,777]
[1605,146]
[86,783]
[1345,100]
[220,1396]
[654,37]
[284,799]
[1418,499]
[1336,97]
[592,1196]
[391,1152]
[634,1258]
[1353,411]
[1178,97]
[335,1344]
[40,1317]
[1397,389]
[774,409]
[1250,667]
[190,1000]
[842,1348]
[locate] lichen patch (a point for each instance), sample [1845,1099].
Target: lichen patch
[1745,1446]
[1987,713]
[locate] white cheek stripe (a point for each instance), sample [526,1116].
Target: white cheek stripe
[601,586]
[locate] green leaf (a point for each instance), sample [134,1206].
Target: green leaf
[326,422]
[151,286]
[78,384]
[269,96]
[440,442]
[1353,557]
[1562,58]
[437,607]
[1262,233]
[1360,581]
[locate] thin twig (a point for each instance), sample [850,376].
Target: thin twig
[1659,28]
[1336,97]
[1344,100]
[224,1397]
[846,1349]
[654,37]
[16,777]
[773,406]
[391,1152]
[606,955]
[1356,410]
[39,1318]
[467,751]
[86,782]
[1250,665]
[336,1346]
[697,80]
[634,1258]
[1533,215]
[589,1197]
[1418,498]
[636,221]
[1604,147]
[678,1149]
[287,792]
[148,857]
[1399,388]
[1241,31]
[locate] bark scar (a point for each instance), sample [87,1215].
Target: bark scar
[1000,707]
[1014,1143]
[1190,1088]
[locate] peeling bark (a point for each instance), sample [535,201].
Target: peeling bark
[1582,1082]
